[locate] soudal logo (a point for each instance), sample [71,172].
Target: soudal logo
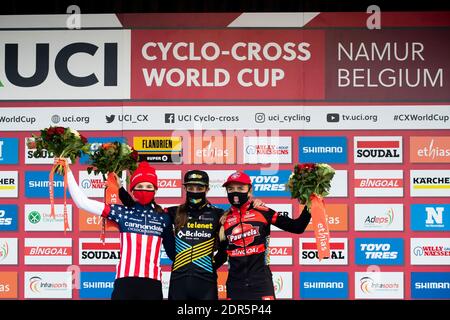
[379,251]
[309,254]
[375,183]
[430,217]
[378,150]
[378,217]
[243,235]
[48,251]
[379,285]
[430,183]
[92,251]
[430,149]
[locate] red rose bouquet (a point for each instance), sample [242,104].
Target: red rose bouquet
[309,184]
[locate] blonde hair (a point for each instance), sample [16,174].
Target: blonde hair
[222,222]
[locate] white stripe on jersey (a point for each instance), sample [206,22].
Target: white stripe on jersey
[146,262]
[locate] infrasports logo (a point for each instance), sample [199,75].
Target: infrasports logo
[159,149]
[8,217]
[48,285]
[430,183]
[280,251]
[8,184]
[169,183]
[93,252]
[9,150]
[379,217]
[309,254]
[379,285]
[269,184]
[324,285]
[323,149]
[379,251]
[429,149]
[377,149]
[378,183]
[430,251]
[430,217]
[267,150]
[430,285]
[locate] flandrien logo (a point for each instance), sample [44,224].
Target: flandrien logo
[378,150]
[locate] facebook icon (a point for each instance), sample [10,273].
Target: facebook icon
[169,118]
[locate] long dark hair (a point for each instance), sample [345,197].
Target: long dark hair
[181,217]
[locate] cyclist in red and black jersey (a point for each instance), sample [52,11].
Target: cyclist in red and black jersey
[245,239]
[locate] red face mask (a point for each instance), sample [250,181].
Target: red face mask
[144,197]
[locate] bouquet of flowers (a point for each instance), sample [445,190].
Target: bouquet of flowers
[111,159]
[62,143]
[309,184]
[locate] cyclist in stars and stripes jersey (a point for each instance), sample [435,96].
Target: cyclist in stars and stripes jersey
[143,226]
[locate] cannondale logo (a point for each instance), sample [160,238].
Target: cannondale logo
[35,284]
[278,284]
[366,284]
[3,250]
[56,118]
[418,251]
[86,184]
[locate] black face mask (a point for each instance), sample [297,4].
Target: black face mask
[237,199]
[196,199]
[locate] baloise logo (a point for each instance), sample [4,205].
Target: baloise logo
[61,65]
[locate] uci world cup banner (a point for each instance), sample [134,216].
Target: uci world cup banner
[225,92]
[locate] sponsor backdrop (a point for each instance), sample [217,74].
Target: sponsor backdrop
[212,93]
